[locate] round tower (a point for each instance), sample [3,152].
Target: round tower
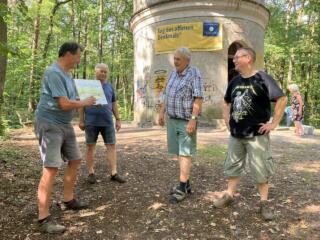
[212,29]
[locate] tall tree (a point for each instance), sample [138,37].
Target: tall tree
[101,29]
[3,45]
[51,23]
[35,46]
[3,57]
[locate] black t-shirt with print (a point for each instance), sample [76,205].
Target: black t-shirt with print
[250,103]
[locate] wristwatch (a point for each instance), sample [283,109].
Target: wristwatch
[193,117]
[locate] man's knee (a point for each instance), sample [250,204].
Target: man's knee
[74,163]
[49,171]
[111,146]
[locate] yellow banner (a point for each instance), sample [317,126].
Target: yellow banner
[198,36]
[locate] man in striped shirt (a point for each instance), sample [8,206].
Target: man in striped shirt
[183,98]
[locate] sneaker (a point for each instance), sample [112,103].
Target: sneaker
[173,189]
[266,211]
[48,226]
[117,178]
[224,201]
[75,205]
[178,195]
[92,178]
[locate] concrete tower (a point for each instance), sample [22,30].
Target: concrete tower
[212,29]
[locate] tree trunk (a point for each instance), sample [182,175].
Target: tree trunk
[48,39]
[73,20]
[290,68]
[3,62]
[284,81]
[34,53]
[84,73]
[101,23]
[3,55]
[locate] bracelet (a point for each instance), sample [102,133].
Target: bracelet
[117,119]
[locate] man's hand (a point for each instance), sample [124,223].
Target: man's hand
[266,128]
[81,125]
[118,124]
[191,126]
[161,119]
[89,101]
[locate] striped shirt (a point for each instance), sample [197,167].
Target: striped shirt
[180,92]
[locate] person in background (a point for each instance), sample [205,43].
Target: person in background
[297,108]
[288,111]
[95,120]
[57,139]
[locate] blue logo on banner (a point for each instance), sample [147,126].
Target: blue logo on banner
[210,29]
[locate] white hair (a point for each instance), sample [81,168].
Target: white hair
[184,52]
[293,87]
[102,65]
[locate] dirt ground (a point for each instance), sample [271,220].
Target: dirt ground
[139,208]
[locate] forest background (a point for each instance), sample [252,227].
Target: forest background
[31,32]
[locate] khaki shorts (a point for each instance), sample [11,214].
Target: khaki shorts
[57,143]
[179,142]
[258,151]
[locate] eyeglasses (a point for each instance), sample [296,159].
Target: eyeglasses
[237,57]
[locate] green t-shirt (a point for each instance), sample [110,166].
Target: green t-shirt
[56,83]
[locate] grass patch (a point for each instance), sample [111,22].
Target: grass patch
[8,154]
[212,153]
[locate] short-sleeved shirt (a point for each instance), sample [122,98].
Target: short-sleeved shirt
[101,116]
[250,103]
[180,92]
[56,83]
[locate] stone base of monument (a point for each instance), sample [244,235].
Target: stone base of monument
[308,130]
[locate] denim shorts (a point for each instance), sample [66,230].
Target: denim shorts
[108,134]
[256,151]
[179,142]
[57,143]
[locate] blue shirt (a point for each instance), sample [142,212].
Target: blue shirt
[288,111]
[180,92]
[101,116]
[56,83]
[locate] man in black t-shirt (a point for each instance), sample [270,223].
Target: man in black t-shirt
[247,111]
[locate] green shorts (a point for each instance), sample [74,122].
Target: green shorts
[179,142]
[258,151]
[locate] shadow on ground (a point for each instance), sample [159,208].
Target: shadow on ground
[139,208]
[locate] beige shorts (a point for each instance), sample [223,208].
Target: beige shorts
[257,151]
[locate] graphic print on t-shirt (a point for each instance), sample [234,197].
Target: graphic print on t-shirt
[242,104]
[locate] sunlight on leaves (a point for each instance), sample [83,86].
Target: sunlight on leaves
[157,206]
[307,167]
[88,214]
[311,209]
[103,207]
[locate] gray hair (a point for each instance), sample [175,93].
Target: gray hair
[102,65]
[184,52]
[293,87]
[251,52]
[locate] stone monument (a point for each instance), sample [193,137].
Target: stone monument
[212,29]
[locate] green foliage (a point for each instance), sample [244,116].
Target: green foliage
[298,38]
[294,36]
[74,20]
